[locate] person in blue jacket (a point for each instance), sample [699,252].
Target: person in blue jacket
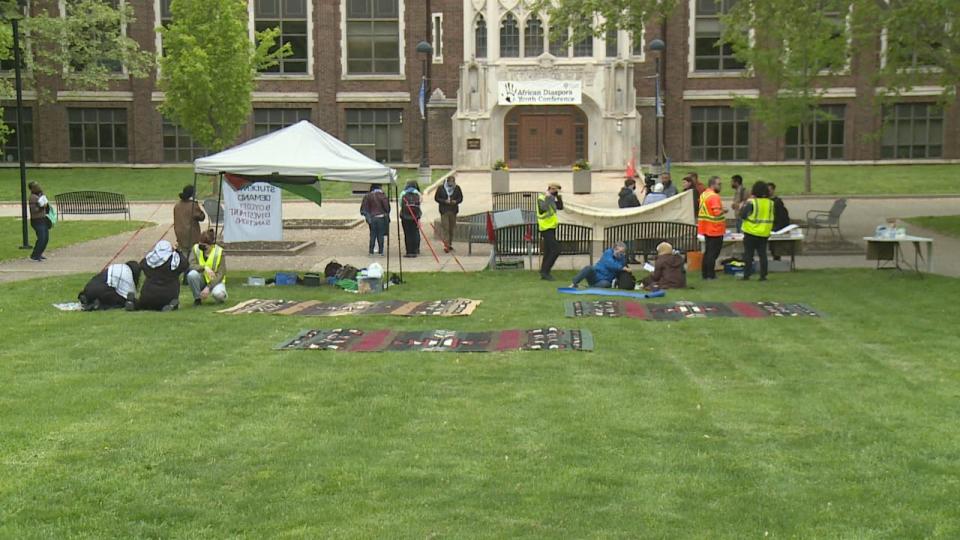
[602,274]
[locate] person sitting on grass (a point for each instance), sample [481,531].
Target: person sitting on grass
[114,287]
[206,276]
[603,273]
[161,286]
[668,271]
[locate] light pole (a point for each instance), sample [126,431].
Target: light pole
[13,13]
[426,50]
[658,46]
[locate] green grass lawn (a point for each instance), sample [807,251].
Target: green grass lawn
[840,179]
[187,424]
[64,233]
[158,184]
[948,225]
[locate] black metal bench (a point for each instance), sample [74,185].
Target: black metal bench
[471,228]
[521,240]
[642,238]
[524,200]
[91,202]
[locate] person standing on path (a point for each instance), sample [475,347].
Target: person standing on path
[410,214]
[375,208]
[712,224]
[449,197]
[548,204]
[39,207]
[757,215]
[187,216]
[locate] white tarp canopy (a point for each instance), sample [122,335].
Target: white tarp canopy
[678,209]
[301,150]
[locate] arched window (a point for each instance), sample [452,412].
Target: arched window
[480,37]
[558,42]
[533,37]
[509,37]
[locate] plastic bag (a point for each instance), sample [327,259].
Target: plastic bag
[375,270]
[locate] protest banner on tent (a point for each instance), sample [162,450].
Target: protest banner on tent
[253,212]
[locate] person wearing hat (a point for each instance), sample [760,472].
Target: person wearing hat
[655,195]
[187,217]
[668,271]
[548,203]
[601,275]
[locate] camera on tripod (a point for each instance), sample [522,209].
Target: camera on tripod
[650,179]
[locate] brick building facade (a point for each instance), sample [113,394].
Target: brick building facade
[355,74]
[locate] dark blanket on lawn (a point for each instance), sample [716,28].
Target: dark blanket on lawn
[684,310]
[353,340]
[439,308]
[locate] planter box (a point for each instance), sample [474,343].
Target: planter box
[500,182]
[582,181]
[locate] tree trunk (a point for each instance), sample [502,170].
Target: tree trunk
[807,157]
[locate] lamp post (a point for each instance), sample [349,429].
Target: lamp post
[426,50]
[13,12]
[658,46]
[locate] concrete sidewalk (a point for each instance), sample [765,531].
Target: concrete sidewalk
[349,246]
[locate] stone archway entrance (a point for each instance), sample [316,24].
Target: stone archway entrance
[545,136]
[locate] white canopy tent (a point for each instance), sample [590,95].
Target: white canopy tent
[295,158]
[299,151]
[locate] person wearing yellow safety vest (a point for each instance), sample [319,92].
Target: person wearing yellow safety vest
[547,222]
[757,215]
[207,270]
[712,224]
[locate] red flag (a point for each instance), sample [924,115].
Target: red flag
[491,232]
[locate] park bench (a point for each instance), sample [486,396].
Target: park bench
[524,200]
[471,228]
[642,238]
[826,219]
[91,202]
[521,240]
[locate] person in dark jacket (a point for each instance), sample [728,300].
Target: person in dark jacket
[448,196]
[627,198]
[690,184]
[603,273]
[39,207]
[669,190]
[187,217]
[781,218]
[668,271]
[410,214]
[114,287]
[375,209]
[162,268]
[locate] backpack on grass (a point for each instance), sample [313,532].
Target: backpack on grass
[331,269]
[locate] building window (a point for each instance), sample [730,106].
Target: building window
[166,19]
[373,36]
[827,136]
[106,37]
[290,16]
[636,45]
[98,135]
[912,131]
[709,54]
[270,120]
[558,43]
[10,146]
[480,38]
[533,37]
[612,42]
[580,140]
[437,38]
[912,59]
[719,134]
[509,37]
[377,133]
[513,140]
[178,145]
[584,47]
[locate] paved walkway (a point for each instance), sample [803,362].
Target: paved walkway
[348,246]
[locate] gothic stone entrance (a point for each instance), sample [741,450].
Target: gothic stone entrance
[545,136]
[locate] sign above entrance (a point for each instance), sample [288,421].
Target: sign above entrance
[543,92]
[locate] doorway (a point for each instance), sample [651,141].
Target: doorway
[545,136]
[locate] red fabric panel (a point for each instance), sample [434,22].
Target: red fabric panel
[372,341]
[510,340]
[746,309]
[635,310]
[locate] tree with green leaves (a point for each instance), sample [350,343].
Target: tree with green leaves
[790,45]
[209,68]
[923,44]
[585,18]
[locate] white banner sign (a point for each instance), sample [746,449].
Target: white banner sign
[252,213]
[544,92]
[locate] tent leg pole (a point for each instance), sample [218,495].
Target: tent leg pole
[216,230]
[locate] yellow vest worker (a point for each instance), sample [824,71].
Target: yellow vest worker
[760,221]
[207,274]
[547,222]
[757,216]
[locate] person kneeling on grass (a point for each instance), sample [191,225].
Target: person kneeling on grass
[114,287]
[606,270]
[161,286]
[207,270]
[668,271]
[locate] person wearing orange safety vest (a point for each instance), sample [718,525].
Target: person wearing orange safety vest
[207,275]
[757,215]
[712,224]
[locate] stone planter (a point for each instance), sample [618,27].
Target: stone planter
[500,182]
[582,181]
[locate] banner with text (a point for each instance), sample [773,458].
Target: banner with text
[253,212]
[544,92]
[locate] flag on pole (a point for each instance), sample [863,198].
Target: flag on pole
[423,98]
[658,102]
